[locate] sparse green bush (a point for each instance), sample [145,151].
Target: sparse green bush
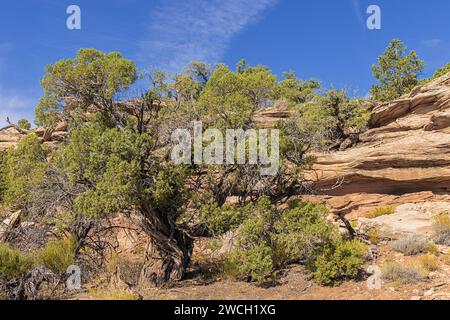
[433,249]
[24,124]
[223,219]
[328,120]
[344,261]
[381,211]
[442,71]
[304,231]
[410,245]
[57,255]
[403,273]
[374,236]
[252,257]
[396,72]
[270,239]
[23,168]
[13,262]
[441,229]
[255,263]
[439,73]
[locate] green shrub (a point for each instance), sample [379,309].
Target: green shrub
[441,229]
[57,255]
[344,261]
[24,124]
[13,262]
[396,72]
[23,169]
[255,264]
[410,245]
[330,119]
[433,249]
[403,273]
[381,211]
[251,259]
[303,231]
[374,236]
[270,239]
[2,174]
[222,219]
[442,71]
[439,73]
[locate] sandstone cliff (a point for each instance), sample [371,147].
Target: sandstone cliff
[406,150]
[404,158]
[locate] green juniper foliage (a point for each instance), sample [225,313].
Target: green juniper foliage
[397,72]
[115,159]
[57,255]
[442,71]
[24,124]
[91,78]
[23,167]
[270,238]
[13,263]
[439,73]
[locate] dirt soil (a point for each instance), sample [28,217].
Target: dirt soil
[297,285]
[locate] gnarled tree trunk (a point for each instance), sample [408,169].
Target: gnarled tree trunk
[168,252]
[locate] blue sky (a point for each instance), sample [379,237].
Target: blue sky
[324,39]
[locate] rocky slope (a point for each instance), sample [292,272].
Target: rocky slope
[407,149]
[403,158]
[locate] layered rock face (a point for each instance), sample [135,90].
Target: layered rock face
[9,137]
[407,150]
[403,159]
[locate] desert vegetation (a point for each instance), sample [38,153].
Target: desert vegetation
[115,160]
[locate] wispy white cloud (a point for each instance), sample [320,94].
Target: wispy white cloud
[432,43]
[181,31]
[15,106]
[358,12]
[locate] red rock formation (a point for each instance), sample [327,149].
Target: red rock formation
[407,150]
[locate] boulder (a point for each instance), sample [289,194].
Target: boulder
[408,218]
[8,224]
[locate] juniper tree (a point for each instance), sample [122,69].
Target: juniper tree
[396,72]
[24,124]
[442,71]
[115,154]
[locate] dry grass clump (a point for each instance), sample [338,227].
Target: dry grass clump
[381,211]
[410,245]
[429,262]
[441,229]
[108,294]
[403,273]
